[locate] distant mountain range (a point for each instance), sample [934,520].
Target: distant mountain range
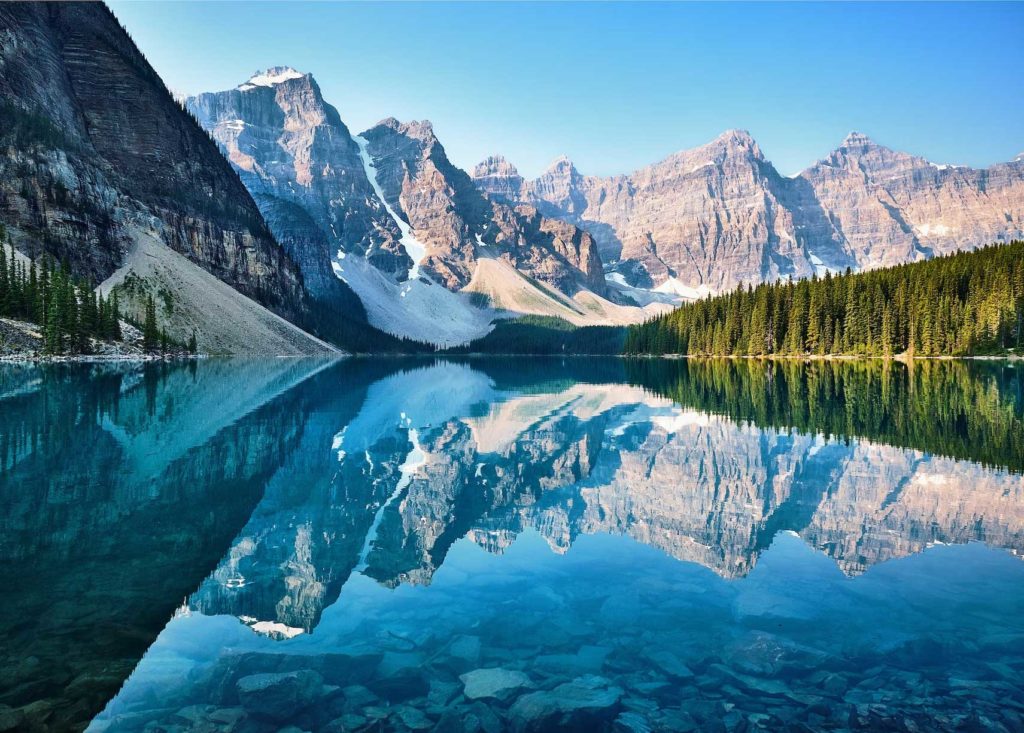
[308,238]
[708,219]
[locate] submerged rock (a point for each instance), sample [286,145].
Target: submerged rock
[413,718]
[466,648]
[589,695]
[669,663]
[279,695]
[494,682]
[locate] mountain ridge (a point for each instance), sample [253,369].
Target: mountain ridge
[390,216]
[721,214]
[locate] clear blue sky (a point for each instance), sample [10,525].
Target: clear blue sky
[618,86]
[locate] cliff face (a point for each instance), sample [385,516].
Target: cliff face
[301,164]
[94,151]
[457,225]
[710,218]
[889,207]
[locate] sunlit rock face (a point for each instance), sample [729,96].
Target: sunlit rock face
[443,452]
[458,225]
[387,229]
[313,185]
[889,207]
[713,217]
[300,162]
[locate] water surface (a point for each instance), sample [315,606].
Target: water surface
[488,545]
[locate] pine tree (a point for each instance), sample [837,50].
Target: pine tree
[958,304]
[150,334]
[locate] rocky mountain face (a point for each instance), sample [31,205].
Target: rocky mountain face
[94,153]
[386,213]
[707,219]
[458,225]
[302,166]
[889,207]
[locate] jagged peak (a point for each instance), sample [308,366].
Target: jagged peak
[421,129]
[857,140]
[730,142]
[271,77]
[562,164]
[495,164]
[736,135]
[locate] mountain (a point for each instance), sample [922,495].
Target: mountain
[429,256]
[101,168]
[707,219]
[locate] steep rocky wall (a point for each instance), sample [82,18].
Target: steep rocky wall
[93,142]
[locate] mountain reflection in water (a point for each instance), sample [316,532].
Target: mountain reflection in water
[362,545]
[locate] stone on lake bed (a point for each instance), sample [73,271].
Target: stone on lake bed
[413,718]
[358,696]
[441,692]
[493,682]
[669,663]
[279,695]
[466,647]
[632,723]
[347,722]
[589,694]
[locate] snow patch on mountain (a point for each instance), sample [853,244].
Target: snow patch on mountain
[510,290]
[416,309]
[643,297]
[412,246]
[820,268]
[933,229]
[686,292]
[271,77]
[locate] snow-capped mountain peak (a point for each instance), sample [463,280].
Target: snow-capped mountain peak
[271,77]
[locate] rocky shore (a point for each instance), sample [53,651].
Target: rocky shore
[21,341]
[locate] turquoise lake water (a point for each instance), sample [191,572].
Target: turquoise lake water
[512,544]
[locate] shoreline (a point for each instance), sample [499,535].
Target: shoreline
[831,357]
[142,358]
[93,358]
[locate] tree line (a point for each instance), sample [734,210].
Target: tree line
[959,304]
[68,310]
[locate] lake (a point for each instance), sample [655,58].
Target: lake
[512,544]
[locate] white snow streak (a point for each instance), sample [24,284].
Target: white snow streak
[417,309]
[413,461]
[412,246]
